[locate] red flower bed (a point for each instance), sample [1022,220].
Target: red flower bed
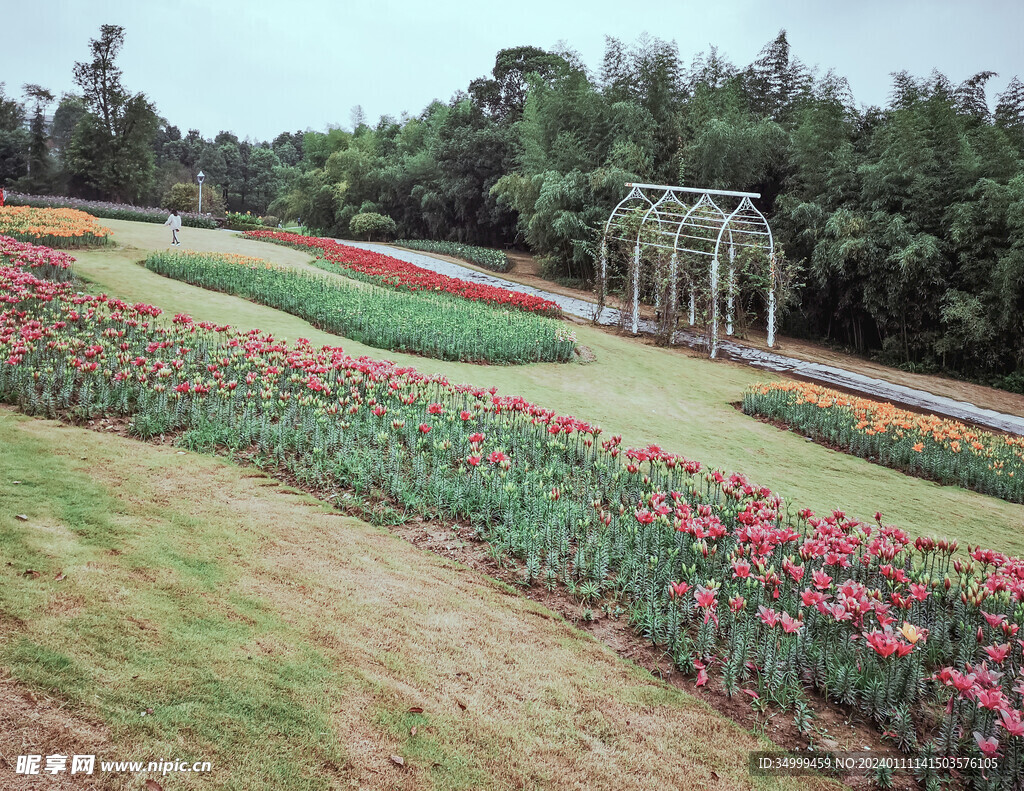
[387,271]
[906,632]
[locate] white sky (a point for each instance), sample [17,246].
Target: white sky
[257,69]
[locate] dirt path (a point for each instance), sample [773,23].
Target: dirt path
[970,403]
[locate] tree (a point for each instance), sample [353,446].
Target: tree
[970,96]
[13,155]
[263,178]
[111,148]
[906,219]
[288,148]
[13,139]
[228,147]
[358,118]
[504,96]
[69,112]
[1009,113]
[776,80]
[185,197]
[38,153]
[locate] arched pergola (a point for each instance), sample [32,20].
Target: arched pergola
[683,234]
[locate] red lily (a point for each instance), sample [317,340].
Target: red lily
[989,747]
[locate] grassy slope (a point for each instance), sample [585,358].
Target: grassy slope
[645,393]
[286,643]
[527,272]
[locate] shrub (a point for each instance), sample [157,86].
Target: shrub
[370,224]
[1013,382]
[342,220]
[239,221]
[184,197]
[270,221]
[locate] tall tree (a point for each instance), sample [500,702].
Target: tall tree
[38,153]
[69,112]
[504,94]
[970,96]
[776,80]
[1009,113]
[13,139]
[112,148]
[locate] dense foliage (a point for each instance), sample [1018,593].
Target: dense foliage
[902,223]
[421,322]
[944,450]
[242,221]
[383,270]
[905,220]
[52,227]
[184,197]
[485,257]
[715,569]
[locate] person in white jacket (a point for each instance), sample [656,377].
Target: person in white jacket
[175,222]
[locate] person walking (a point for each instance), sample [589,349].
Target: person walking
[175,222]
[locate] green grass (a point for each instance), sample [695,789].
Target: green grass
[647,394]
[187,659]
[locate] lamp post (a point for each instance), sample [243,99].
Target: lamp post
[200,178]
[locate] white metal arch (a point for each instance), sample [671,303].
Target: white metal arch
[635,269]
[705,200]
[746,214]
[618,212]
[697,231]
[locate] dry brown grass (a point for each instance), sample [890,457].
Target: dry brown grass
[513,696]
[32,723]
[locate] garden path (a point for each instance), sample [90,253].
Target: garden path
[832,376]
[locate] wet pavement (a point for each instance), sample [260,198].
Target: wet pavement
[832,376]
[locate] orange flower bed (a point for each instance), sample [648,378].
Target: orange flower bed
[944,450]
[52,227]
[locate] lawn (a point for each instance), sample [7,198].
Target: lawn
[645,393]
[179,606]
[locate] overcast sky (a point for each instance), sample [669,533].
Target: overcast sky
[256,69]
